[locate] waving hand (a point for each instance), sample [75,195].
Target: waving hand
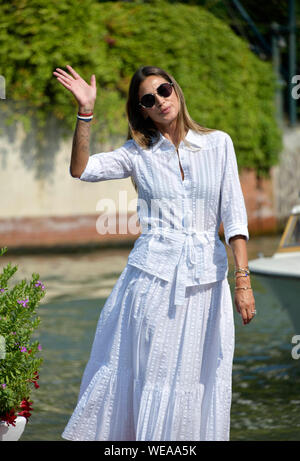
[84,93]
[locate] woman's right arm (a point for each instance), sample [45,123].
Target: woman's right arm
[80,148]
[85,96]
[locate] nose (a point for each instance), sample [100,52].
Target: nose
[159,99]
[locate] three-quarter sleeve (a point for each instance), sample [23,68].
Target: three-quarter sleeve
[233,209]
[116,164]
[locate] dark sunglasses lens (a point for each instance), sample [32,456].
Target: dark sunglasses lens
[148,100]
[164,90]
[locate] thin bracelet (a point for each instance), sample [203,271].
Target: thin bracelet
[245,271]
[242,288]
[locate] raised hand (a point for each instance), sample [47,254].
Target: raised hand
[84,93]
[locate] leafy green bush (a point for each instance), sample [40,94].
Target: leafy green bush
[225,84]
[19,360]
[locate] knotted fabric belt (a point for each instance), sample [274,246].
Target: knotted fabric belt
[189,239]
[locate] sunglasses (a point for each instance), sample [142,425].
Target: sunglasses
[164,90]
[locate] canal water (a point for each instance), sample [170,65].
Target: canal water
[266,378]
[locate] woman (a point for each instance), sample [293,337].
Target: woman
[161,362]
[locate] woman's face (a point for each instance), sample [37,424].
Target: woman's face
[165,110]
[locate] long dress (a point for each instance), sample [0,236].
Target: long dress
[160,367]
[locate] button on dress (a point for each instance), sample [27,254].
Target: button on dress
[160,367]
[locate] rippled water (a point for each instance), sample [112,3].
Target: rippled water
[266,400]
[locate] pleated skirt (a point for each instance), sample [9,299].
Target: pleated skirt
[158,372]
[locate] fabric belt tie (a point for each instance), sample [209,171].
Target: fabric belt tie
[181,275]
[188,237]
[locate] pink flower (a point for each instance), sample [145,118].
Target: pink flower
[39,347]
[23,349]
[39,284]
[24,303]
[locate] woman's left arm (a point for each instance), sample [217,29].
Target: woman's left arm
[243,299]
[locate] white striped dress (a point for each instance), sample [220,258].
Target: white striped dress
[161,362]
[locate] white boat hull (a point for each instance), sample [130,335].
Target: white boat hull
[281,273]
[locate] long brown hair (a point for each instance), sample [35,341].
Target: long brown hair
[144,131]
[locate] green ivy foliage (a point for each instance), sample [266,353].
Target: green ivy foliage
[226,86]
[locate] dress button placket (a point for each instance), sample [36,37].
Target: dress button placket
[183,182]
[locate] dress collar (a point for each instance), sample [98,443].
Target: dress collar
[193,141]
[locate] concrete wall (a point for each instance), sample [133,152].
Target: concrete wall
[42,205]
[35,179]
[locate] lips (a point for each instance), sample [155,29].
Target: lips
[165,110]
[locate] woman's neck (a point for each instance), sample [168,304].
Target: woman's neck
[170,132]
